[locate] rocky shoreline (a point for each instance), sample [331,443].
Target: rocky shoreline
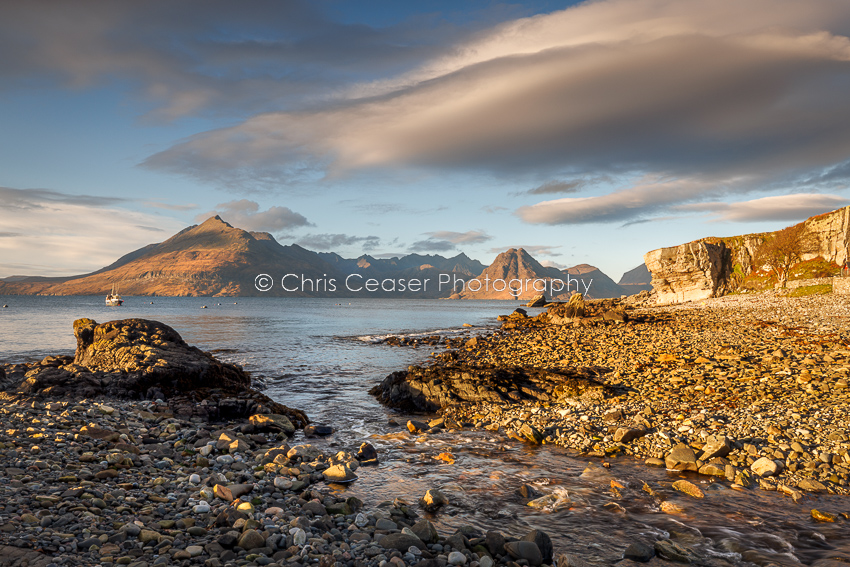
[751,390]
[175,460]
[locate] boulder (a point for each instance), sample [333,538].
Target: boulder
[527,550]
[681,458]
[689,272]
[433,500]
[537,301]
[716,446]
[143,359]
[339,473]
[766,467]
[430,388]
[274,423]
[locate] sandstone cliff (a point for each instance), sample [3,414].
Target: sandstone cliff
[707,267]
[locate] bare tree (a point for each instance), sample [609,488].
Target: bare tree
[785,248]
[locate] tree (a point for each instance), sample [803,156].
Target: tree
[783,249]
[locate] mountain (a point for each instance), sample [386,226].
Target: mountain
[636,280]
[213,258]
[599,285]
[514,268]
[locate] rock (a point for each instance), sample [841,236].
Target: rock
[688,488]
[672,551]
[430,388]
[401,542]
[251,539]
[628,434]
[433,500]
[819,516]
[689,272]
[339,473]
[273,423]
[543,542]
[495,542]
[681,458]
[318,430]
[716,446]
[765,467]
[425,530]
[528,491]
[527,550]
[457,558]
[537,301]
[570,560]
[811,485]
[367,454]
[306,453]
[415,426]
[639,552]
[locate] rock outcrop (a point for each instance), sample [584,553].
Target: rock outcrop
[142,359]
[428,389]
[689,272]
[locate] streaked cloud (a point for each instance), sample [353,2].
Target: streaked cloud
[331,242]
[795,207]
[246,214]
[50,233]
[432,245]
[468,237]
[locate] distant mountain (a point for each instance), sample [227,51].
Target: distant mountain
[217,259]
[600,285]
[636,280]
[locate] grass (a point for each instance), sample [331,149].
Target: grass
[808,290]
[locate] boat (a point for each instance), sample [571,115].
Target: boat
[114,299]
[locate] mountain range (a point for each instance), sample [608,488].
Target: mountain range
[217,259]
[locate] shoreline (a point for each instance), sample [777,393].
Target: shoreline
[751,389]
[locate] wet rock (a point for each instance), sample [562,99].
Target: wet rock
[639,552]
[543,542]
[401,541]
[425,530]
[433,500]
[688,488]
[527,550]
[274,423]
[672,551]
[367,454]
[318,430]
[339,473]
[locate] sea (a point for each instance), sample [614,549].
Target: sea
[323,355]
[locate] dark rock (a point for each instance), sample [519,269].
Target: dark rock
[400,542]
[318,430]
[527,550]
[543,542]
[495,542]
[537,301]
[639,552]
[427,389]
[528,491]
[367,454]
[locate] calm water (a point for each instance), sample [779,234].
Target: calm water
[322,357]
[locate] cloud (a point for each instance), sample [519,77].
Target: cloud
[534,250]
[432,245]
[684,89]
[170,206]
[468,237]
[246,215]
[53,234]
[551,264]
[206,56]
[647,196]
[572,186]
[38,198]
[333,241]
[776,208]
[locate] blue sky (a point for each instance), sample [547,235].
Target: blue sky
[585,132]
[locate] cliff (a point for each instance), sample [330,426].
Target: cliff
[710,266]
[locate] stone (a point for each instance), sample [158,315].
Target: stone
[537,301]
[819,516]
[716,446]
[339,474]
[433,500]
[672,551]
[318,430]
[425,530]
[401,542]
[681,458]
[251,539]
[639,552]
[765,467]
[688,488]
[367,454]
[495,542]
[527,550]
[628,434]
[273,423]
[456,558]
[543,542]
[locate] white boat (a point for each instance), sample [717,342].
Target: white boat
[114,299]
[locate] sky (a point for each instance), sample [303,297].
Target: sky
[585,132]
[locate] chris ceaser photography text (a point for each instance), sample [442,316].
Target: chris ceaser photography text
[358,282]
